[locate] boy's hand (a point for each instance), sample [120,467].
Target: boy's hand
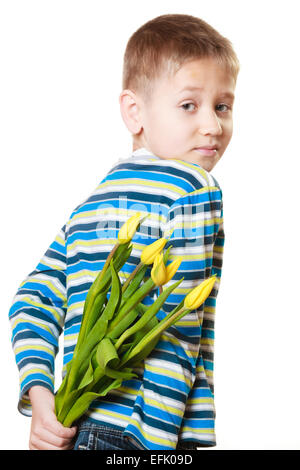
[46,432]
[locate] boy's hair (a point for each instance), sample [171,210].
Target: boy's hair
[165,43]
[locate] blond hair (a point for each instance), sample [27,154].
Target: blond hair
[165,43]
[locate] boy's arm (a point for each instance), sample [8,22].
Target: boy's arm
[200,403]
[208,325]
[37,317]
[170,371]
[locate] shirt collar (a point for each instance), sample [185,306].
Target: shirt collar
[142,151]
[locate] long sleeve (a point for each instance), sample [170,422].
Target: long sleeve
[37,317]
[171,369]
[198,422]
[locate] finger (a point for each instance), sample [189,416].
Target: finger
[32,447]
[50,438]
[46,446]
[58,429]
[39,444]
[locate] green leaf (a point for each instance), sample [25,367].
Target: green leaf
[148,342]
[83,402]
[79,407]
[134,284]
[166,254]
[123,324]
[60,394]
[80,365]
[87,378]
[96,310]
[106,354]
[115,295]
[100,327]
[122,349]
[68,403]
[149,314]
[101,284]
[124,374]
[139,295]
[135,359]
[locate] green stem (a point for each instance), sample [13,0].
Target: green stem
[136,270]
[139,295]
[72,414]
[107,262]
[148,315]
[90,298]
[157,330]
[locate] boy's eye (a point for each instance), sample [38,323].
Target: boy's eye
[186,106]
[227,106]
[191,107]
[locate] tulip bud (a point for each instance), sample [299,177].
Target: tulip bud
[149,252]
[158,271]
[172,267]
[199,294]
[128,229]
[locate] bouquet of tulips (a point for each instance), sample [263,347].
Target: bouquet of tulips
[116,334]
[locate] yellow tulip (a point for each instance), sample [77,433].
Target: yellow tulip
[199,294]
[149,252]
[128,229]
[158,271]
[172,267]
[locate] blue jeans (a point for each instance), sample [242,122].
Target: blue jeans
[92,436]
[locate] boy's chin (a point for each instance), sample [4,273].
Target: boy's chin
[208,166]
[207,163]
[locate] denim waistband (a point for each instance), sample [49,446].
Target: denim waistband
[95,428]
[88,425]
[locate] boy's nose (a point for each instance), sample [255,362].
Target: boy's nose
[210,125]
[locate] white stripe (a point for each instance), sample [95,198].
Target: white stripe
[33,342]
[30,318]
[50,280]
[154,431]
[53,261]
[29,367]
[107,418]
[168,402]
[146,188]
[200,407]
[194,435]
[171,366]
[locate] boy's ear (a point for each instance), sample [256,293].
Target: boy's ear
[130,111]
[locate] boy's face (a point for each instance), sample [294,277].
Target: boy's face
[192,109]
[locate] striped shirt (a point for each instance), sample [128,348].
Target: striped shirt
[172,398]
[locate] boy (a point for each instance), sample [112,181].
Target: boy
[179,78]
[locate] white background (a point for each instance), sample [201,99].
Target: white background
[61,130]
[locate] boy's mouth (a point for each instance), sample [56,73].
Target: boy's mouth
[209,151]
